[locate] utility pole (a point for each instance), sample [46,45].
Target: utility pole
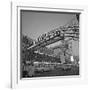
[77,16]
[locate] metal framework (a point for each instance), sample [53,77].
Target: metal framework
[66,32]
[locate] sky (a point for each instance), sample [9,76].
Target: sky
[36,23]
